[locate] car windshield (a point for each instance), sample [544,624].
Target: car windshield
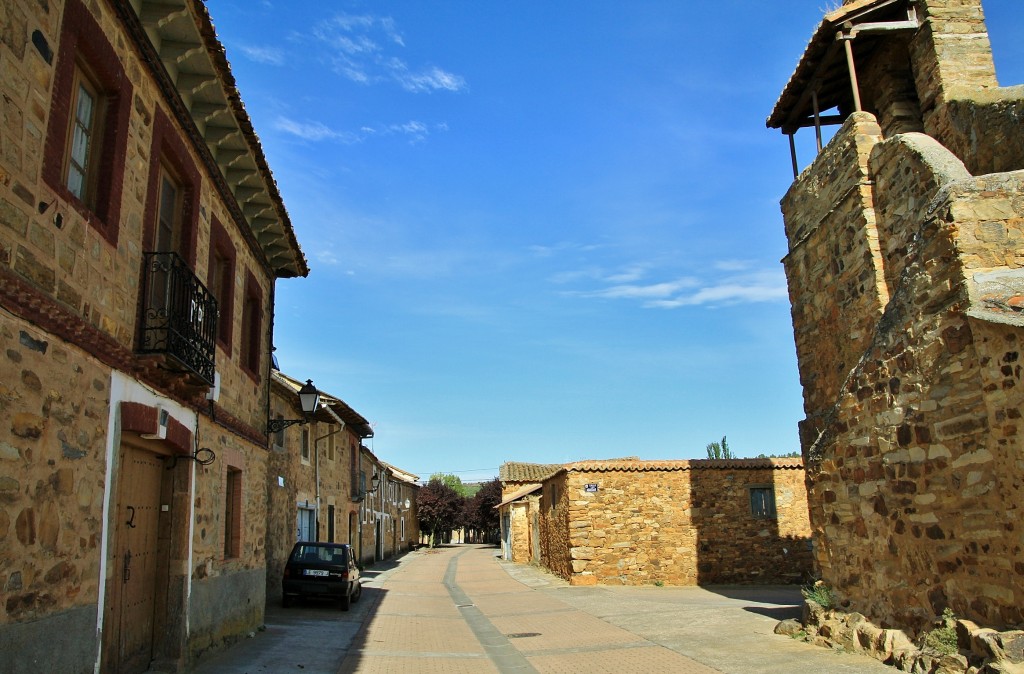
[319,554]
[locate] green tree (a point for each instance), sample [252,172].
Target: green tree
[719,450]
[453,481]
[438,508]
[787,455]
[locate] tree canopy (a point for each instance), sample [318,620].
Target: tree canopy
[719,450]
[439,507]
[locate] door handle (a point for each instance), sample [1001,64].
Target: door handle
[126,572]
[131,517]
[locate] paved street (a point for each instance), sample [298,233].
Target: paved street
[460,609]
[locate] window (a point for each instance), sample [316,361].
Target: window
[87,132]
[403,528]
[221,281]
[81,174]
[762,501]
[252,321]
[172,203]
[305,445]
[232,513]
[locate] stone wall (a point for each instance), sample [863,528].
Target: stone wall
[556,526]
[52,465]
[676,522]
[922,453]
[61,252]
[914,471]
[70,281]
[830,225]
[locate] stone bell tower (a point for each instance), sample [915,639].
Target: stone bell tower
[906,279]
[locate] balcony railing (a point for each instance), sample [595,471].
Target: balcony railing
[179,315]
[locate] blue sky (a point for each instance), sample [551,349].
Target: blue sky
[538,231]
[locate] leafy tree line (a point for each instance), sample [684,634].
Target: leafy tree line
[721,450]
[444,504]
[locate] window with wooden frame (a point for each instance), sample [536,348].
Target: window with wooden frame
[87,131]
[232,513]
[172,197]
[87,112]
[252,326]
[168,214]
[221,281]
[762,501]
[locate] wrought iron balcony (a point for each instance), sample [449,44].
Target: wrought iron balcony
[179,315]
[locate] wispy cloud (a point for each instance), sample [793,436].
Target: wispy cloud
[307,130]
[414,130]
[726,282]
[359,50]
[430,79]
[267,55]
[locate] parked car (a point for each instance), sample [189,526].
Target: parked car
[323,571]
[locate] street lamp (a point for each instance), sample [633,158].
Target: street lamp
[309,399]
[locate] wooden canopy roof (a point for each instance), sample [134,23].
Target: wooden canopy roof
[822,79]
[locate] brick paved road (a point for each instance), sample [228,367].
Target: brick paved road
[460,609]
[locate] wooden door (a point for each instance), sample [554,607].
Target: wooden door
[128,624]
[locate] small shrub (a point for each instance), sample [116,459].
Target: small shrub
[942,639]
[820,593]
[659,583]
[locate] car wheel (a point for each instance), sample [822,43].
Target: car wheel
[358,593]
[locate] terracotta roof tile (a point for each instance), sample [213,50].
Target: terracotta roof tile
[634,465]
[515,471]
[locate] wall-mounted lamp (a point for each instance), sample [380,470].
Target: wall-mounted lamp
[309,400]
[374,483]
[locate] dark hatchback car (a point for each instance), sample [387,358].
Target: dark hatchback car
[322,571]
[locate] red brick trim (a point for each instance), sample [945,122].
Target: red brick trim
[144,420]
[29,304]
[252,328]
[179,437]
[138,418]
[221,245]
[169,147]
[82,37]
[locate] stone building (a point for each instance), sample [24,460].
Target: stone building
[385,522]
[310,475]
[906,277]
[519,511]
[141,235]
[633,522]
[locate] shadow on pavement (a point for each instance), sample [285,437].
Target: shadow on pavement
[776,613]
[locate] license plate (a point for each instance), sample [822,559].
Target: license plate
[316,572]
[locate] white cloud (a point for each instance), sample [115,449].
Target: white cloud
[653,290]
[358,48]
[306,130]
[415,130]
[727,293]
[268,55]
[741,283]
[429,80]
